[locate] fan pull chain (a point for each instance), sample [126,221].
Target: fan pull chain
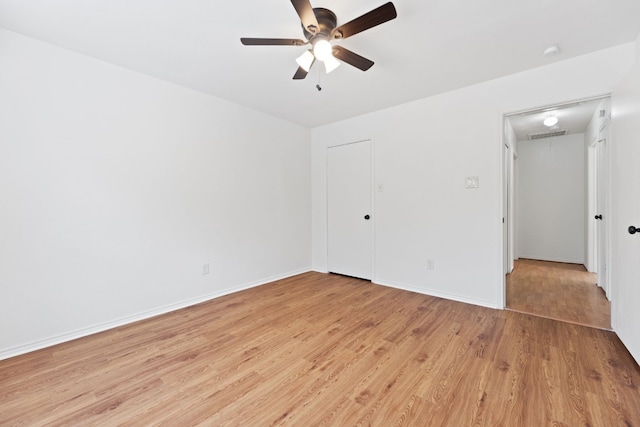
[318,85]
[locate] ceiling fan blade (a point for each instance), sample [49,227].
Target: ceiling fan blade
[377,16]
[301,73]
[352,58]
[248,41]
[305,12]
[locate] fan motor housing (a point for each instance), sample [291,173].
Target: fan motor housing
[327,22]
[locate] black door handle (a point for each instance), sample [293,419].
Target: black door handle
[598,216]
[633,230]
[367,217]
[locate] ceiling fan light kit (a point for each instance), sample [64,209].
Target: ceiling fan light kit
[305,60]
[322,48]
[319,26]
[331,63]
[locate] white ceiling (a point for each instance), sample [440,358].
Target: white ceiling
[572,117]
[432,47]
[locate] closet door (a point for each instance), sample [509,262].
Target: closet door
[349,210]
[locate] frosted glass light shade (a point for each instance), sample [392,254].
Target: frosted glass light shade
[305,60]
[550,121]
[322,49]
[331,64]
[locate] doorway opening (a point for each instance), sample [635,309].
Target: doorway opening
[555,211]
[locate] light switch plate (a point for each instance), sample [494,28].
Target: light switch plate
[471,182]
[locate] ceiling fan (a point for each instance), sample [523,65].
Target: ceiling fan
[319,26]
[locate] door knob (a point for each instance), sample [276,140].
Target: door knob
[367,217]
[598,216]
[633,230]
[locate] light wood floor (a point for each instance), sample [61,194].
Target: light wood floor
[560,291]
[320,349]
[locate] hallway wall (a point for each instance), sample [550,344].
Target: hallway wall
[551,199]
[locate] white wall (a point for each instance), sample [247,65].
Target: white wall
[116,188]
[423,152]
[551,196]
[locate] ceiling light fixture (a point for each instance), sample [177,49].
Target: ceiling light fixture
[320,27]
[322,48]
[323,51]
[550,121]
[305,60]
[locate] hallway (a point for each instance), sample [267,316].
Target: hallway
[561,291]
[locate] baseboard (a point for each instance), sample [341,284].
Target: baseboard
[435,293]
[94,329]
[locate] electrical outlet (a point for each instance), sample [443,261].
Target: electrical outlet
[430,264]
[205,269]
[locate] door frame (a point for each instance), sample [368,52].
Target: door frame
[503,141]
[508,156]
[372,196]
[508,169]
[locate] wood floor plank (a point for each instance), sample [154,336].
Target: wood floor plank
[558,291]
[325,350]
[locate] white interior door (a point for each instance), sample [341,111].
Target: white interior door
[506,235]
[592,240]
[602,215]
[349,209]
[625,212]
[512,210]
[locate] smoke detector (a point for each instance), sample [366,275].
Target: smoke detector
[551,51]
